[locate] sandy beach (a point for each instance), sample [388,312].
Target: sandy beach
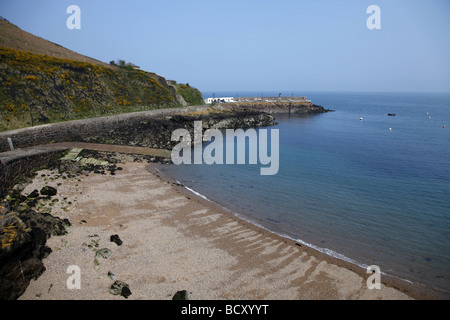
[174,240]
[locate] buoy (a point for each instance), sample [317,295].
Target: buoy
[360,119]
[390,129]
[443,126]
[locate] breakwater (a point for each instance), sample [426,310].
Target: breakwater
[274,107]
[78,130]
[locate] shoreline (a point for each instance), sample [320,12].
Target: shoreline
[414,290]
[175,240]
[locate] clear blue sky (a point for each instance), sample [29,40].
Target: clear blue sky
[257,45]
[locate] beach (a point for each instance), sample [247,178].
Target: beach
[273,169]
[174,240]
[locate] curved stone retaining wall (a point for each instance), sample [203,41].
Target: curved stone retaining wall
[20,163]
[77,130]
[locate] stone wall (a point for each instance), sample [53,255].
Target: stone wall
[78,130]
[21,163]
[3,183]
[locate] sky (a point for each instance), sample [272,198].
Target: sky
[258,45]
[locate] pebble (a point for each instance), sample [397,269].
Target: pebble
[104,253]
[120,287]
[115,238]
[182,295]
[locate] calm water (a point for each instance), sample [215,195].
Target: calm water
[350,187]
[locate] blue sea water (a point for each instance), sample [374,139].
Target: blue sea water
[352,188]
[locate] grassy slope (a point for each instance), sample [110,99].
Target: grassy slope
[191,95]
[43,82]
[47,89]
[13,37]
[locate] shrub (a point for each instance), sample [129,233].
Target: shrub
[32,78]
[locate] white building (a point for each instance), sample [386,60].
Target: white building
[220,99]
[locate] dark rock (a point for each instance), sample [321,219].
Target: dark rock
[14,234]
[182,295]
[31,202]
[5,207]
[23,236]
[104,253]
[21,208]
[126,292]
[111,275]
[120,287]
[115,238]
[52,226]
[48,191]
[34,194]
[15,198]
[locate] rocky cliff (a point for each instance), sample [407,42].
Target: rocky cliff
[23,235]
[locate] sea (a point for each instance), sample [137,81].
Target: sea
[356,183]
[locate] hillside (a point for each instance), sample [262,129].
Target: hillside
[193,95]
[13,37]
[42,82]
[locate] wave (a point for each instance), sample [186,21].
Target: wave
[326,251]
[195,192]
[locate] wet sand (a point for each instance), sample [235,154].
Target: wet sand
[174,240]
